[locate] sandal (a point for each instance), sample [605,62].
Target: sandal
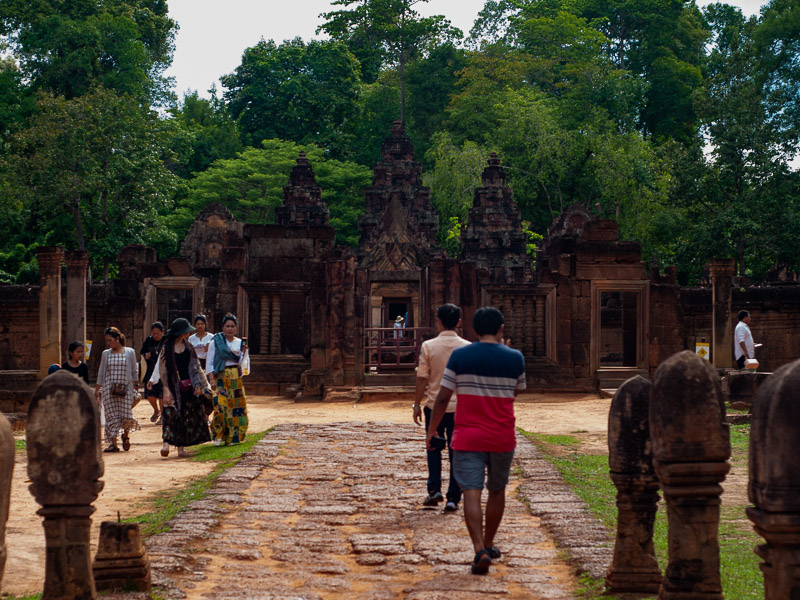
[126,443]
[111,448]
[165,450]
[494,552]
[182,452]
[480,566]
[155,416]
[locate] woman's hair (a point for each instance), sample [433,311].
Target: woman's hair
[157,325]
[116,334]
[229,317]
[200,317]
[74,346]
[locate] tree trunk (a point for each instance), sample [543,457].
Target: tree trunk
[740,252]
[76,213]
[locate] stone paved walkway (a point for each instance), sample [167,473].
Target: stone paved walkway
[334,511]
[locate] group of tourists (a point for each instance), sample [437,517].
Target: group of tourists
[191,375]
[478,430]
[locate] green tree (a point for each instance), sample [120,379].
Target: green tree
[455,176]
[251,186]
[210,133]
[88,173]
[777,44]
[384,33]
[70,47]
[305,93]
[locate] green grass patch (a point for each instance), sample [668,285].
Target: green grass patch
[167,504]
[553,440]
[588,476]
[12,597]
[19,444]
[210,452]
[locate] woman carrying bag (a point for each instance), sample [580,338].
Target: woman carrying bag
[227,356]
[186,400]
[116,389]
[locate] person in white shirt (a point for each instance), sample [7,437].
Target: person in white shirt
[433,358]
[743,345]
[201,339]
[223,363]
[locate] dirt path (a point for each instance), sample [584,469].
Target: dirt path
[134,477]
[327,511]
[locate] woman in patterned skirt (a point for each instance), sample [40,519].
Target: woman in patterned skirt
[184,420]
[116,388]
[225,354]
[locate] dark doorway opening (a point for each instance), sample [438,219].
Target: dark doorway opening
[618,328]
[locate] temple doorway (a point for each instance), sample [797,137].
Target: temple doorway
[618,325]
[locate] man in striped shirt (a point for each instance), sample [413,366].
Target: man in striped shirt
[487,376]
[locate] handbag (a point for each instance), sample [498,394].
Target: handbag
[119,389]
[186,385]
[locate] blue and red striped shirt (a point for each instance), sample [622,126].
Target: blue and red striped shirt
[486,377]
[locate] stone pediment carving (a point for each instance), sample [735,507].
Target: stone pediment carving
[395,249]
[206,238]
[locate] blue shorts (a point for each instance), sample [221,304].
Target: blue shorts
[470,469]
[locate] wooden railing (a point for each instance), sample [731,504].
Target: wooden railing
[392,350]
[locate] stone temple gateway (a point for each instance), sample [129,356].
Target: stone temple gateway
[584,311]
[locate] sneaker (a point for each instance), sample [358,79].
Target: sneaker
[450,506]
[433,499]
[218,442]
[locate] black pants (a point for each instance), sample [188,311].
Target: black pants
[740,362]
[444,430]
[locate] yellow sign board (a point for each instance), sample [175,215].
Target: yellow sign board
[703,349]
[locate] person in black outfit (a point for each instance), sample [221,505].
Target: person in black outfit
[75,363]
[187,395]
[149,352]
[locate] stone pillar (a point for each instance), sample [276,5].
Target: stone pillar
[722,271]
[691,447]
[275,323]
[64,466]
[6,472]
[634,568]
[77,271]
[774,487]
[50,258]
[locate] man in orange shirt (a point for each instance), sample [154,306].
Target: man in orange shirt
[432,361]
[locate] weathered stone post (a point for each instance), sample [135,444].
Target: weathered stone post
[6,471]
[50,258]
[64,465]
[634,567]
[121,561]
[691,447]
[722,271]
[775,481]
[77,270]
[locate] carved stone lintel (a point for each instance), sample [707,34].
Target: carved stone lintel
[691,447]
[634,568]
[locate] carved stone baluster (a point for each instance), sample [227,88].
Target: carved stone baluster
[634,568]
[691,447]
[774,487]
[64,465]
[6,471]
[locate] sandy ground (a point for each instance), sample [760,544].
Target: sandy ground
[132,478]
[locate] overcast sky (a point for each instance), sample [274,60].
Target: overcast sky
[213,34]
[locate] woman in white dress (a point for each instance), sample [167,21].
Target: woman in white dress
[201,339]
[117,388]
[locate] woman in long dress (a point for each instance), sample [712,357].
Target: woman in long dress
[225,355]
[116,389]
[183,421]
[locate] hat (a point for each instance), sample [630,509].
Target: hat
[179,327]
[399,318]
[53,368]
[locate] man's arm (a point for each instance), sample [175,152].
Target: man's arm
[439,408]
[744,349]
[422,385]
